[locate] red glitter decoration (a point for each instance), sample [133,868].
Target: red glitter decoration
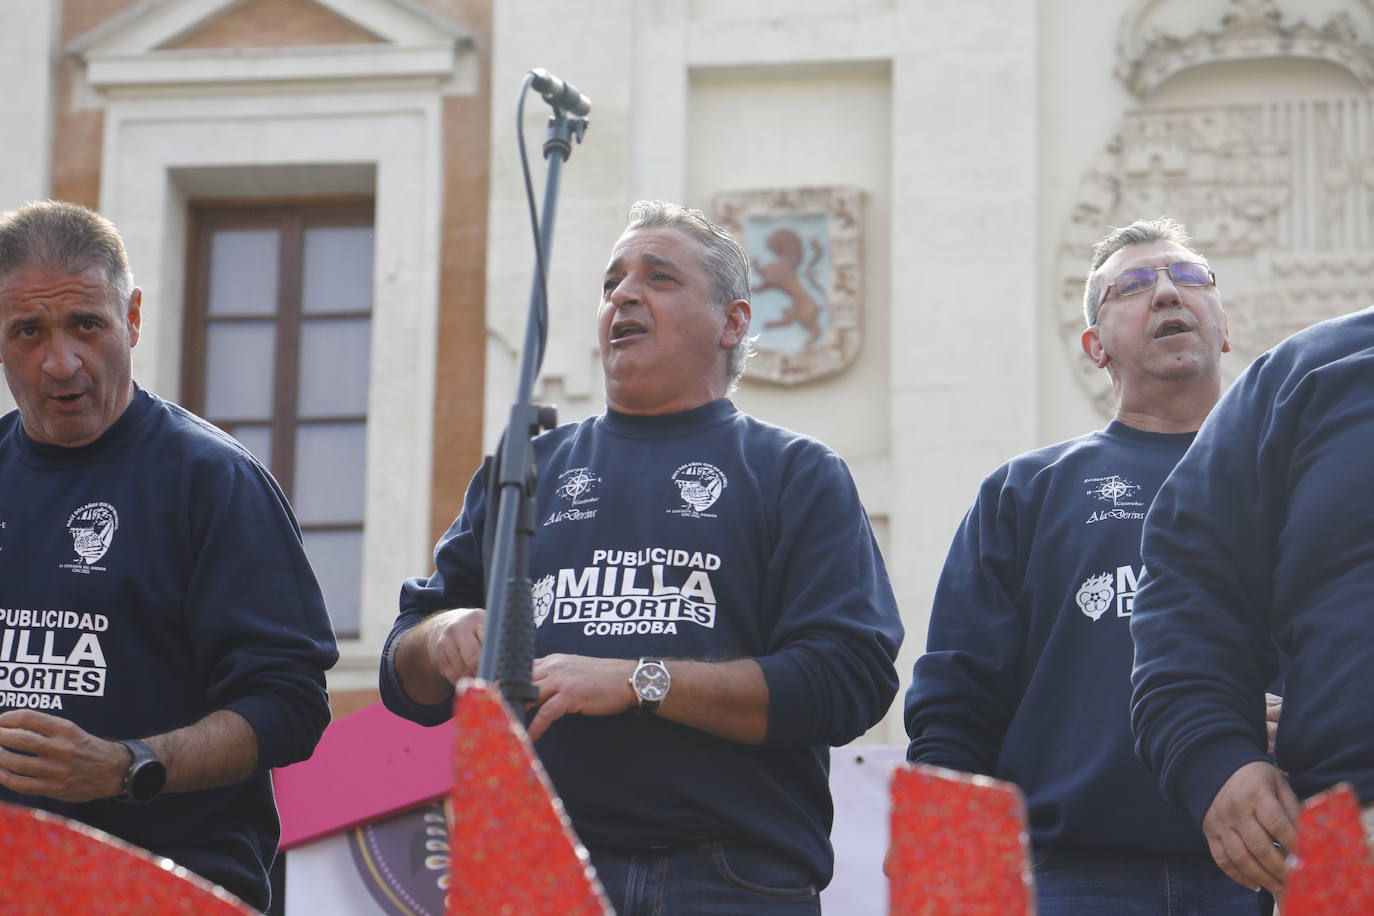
[49,864]
[513,849]
[1330,873]
[958,846]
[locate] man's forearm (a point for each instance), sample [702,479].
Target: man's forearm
[729,699]
[219,750]
[46,755]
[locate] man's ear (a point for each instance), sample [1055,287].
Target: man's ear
[737,317]
[1092,345]
[135,315]
[1225,334]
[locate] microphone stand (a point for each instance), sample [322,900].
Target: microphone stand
[508,641]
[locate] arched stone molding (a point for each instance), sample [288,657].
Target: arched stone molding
[1154,42]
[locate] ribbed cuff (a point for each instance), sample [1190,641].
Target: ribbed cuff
[791,717]
[1201,773]
[395,698]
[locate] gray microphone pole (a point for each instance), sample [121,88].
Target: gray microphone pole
[508,642]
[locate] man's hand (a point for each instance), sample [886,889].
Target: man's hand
[1252,810]
[576,683]
[45,755]
[453,640]
[1273,705]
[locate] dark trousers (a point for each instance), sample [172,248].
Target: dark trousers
[1077,883]
[706,879]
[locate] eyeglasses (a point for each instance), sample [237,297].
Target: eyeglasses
[1139,279]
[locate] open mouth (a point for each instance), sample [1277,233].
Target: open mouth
[624,330]
[1171,327]
[67,400]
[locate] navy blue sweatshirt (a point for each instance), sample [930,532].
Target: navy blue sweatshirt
[700,535]
[146,580]
[1026,674]
[1265,531]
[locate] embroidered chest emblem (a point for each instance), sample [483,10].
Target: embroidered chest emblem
[577,485]
[699,485]
[92,529]
[1121,494]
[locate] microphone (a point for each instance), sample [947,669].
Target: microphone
[560,94]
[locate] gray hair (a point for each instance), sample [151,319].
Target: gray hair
[1140,232]
[68,237]
[723,258]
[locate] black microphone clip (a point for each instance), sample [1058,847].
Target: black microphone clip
[560,94]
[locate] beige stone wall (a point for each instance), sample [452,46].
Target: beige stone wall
[76,146]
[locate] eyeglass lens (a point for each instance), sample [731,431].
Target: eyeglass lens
[1184,273]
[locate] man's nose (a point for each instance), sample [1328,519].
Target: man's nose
[626,292]
[61,360]
[1165,294]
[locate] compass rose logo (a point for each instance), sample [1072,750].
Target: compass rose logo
[577,484]
[1115,489]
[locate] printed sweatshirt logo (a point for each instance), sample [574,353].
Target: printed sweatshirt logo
[576,485]
[92,528]
[1099,591]
[1121,492]
[46,654]
[699,485]
[631,592]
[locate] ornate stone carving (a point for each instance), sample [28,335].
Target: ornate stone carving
[806,247]
[1250,29]
[1279,196]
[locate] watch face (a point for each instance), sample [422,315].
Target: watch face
[651,682]
[148,781]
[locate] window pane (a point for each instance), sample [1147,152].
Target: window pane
[239,370]
[337,275]
[334,367]
[257,438]
[243,272]
[337,557]
[329,473]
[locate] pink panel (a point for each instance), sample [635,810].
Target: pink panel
[958,846]
[49,864]
[1330,873]
[367,765]
[512,847]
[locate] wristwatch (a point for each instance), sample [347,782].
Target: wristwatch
[650,682]
[145,777]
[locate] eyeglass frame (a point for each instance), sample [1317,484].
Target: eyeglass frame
[1212,281]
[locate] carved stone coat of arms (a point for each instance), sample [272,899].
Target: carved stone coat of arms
[805,248]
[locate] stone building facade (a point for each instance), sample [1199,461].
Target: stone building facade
[986,146]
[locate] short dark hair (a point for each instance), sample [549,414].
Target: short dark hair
[724,260]
[64,236]
[1160,229]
